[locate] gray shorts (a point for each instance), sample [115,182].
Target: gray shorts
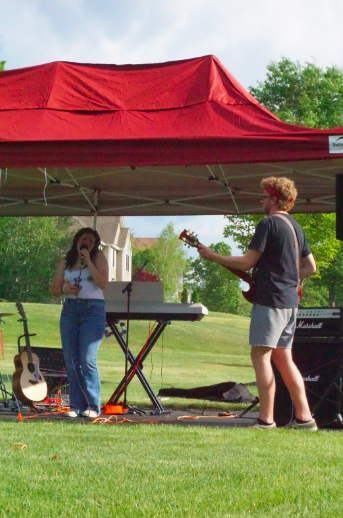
[272,327]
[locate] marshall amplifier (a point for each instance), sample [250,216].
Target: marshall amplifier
[319,322]
[320,363]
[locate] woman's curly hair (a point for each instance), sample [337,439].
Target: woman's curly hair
[71,256]
[285,187]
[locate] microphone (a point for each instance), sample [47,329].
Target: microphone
[82,260]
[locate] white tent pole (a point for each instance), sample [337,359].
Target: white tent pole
[95,203]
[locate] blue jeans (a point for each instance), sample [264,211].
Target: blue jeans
[82,327]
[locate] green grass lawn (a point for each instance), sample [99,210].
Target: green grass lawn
[188,354]
[71,470]
[67,469]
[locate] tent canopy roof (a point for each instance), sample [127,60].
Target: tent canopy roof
[181,137]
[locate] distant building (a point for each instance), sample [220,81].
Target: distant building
[141,243]
[115,243]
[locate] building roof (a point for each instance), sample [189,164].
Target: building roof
[110,229]
[141,243]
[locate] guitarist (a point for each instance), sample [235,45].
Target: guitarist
[278,271]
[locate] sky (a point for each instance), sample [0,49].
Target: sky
[245,37]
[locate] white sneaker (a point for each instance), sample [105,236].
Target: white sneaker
[90,413]
[71,413]
[259,426]
[311,425]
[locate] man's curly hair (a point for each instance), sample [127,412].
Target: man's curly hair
[285,187]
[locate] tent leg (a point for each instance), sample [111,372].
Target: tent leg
[95,214]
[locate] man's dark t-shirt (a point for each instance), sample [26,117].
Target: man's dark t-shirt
[277,270]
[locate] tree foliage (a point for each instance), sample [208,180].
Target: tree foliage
[30,249]
[166,259]
[302,94]
[319,230]
[195,297]
[184,295]
[218,288]
[139,258]
[311,96]
[322,289]
[330,284]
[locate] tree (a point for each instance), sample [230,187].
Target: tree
[2,66]
[217,287]
[320,233]
[30,249]
[319,230]
[195,297]
[184,295]
[311,96]
[140,257]
[330,283]
[302,94]
[166,259]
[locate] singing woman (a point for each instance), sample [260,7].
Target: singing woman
[82,277]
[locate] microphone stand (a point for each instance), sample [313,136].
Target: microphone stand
[128,290]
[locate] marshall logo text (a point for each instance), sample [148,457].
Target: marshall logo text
[306,325]
[308,378]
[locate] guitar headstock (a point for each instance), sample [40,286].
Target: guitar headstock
[20,310]
[189,238]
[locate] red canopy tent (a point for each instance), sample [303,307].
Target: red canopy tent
[180,138]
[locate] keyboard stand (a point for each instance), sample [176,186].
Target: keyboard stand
[147,303]
[136,363]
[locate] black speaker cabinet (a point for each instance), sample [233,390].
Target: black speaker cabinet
[320,361]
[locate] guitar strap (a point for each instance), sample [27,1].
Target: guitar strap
[296,244]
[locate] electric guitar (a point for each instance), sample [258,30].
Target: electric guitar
[28,383]
[191,240]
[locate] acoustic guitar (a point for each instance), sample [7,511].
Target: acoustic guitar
[28,383]
[191,240]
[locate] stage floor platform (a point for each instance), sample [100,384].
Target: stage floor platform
[207,418]
[173,417]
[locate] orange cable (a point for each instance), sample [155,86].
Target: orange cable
[205,417]
[2,345]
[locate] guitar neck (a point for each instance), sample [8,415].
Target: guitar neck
[191,240]
[27,340]
[244,276]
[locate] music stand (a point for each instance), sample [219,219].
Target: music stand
[128,290]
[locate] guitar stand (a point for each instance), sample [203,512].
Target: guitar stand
[21,348]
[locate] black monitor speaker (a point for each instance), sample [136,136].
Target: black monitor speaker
[320,363]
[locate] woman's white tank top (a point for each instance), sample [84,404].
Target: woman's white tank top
[83,277]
